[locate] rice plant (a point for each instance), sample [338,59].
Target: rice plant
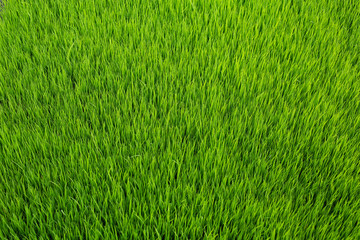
[169,119]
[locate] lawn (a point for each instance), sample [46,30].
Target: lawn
[180,119]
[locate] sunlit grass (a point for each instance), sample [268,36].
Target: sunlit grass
[167,119]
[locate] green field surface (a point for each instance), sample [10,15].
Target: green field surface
[180,119]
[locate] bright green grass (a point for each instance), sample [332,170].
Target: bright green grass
[169,119]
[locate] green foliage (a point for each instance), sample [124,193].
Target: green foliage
[167,119]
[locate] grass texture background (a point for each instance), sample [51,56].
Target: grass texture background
[169,119]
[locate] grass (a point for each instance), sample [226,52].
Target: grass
[166,119]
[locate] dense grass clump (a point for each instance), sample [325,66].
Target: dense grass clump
[169,119]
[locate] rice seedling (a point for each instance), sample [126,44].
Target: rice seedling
[190,119]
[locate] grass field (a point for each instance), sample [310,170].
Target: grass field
[180,119]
